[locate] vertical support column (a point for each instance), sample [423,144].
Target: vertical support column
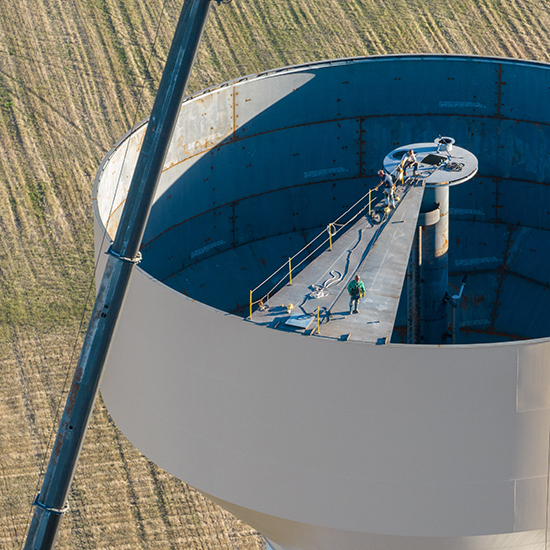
[435,268]
[413,288]
[415,282]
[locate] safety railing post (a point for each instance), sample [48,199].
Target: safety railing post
[290,270]
[251,304]
[338,227]
[370,191]
[318,320]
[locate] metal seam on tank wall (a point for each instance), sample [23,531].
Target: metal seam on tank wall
[251,241]
[238,138]
[225,205]
[228,204]
[513,180]
[360,143]
[207,91]
[499,99]
[508,335]
[501,275]
[497,219]
[526,278]
[497,195]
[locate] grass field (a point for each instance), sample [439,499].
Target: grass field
[74,76]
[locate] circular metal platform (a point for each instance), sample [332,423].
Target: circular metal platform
[441,163]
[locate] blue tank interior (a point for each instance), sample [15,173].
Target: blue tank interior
[312,140]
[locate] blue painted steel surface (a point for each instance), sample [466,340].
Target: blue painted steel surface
[228,288]
[523,308]
[292,149]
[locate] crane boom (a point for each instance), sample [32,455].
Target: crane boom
[51,502]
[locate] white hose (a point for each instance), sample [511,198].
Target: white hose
[319,291]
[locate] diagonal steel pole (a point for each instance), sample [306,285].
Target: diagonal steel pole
[51,503]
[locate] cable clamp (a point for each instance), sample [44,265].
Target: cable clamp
[134,260]
[55,511]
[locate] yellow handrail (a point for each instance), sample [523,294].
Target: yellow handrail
[370,202]
[318,323]
[329,240]
[290,270]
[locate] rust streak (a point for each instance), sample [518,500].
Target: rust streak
[502,272]
[362,117]
[361,147]
[494,333]
[115,210]
[499,89]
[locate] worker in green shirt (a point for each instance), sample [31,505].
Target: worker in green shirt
[356,290]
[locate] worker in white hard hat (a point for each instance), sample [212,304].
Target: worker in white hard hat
[409,159]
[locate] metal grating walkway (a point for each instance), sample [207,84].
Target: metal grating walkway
[378,253]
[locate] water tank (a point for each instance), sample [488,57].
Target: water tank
[317,443]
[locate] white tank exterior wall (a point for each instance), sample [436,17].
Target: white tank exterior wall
[326,445]
[386,440]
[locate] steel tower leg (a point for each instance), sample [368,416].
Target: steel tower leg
[52,501]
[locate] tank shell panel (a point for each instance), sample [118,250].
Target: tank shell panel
[317,443]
